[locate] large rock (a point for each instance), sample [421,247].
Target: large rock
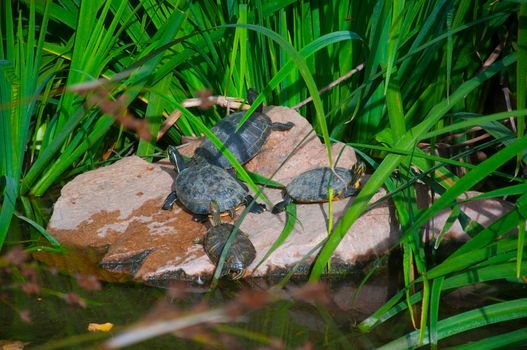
[116,210]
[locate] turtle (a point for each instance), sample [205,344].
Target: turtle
[245,143]
[241,253]
[200,182]
[312,186]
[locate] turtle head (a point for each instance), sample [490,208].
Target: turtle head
[251,97]
[176,159]
[357,171]
[236,269]
[214,209]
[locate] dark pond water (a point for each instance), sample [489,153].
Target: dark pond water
[55,309]
[59,320]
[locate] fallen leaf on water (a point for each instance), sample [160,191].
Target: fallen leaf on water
[100,327]
[11,345]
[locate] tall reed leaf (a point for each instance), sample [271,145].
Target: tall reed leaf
[471,276]
[521,70]
[306,74]
[484,316]
[385,169]
[9,196]
[19,77]
[471,179]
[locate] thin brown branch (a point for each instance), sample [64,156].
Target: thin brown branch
[204,101]
[494,55]
[460,134]
[461,144]
[331,85]
[169,121]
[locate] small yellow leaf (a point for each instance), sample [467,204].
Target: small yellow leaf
[11,345]
[97,327]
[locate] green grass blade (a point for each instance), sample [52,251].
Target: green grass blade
[435,301]
[394,38]
[242,33]
[19,68]
[475,121]
[503,225]
[51,150]
[70,155]
[454,215]
[264,181]
[449,50]
[513,190]
[306,75]
[288,228]
[521,70]
[481,317]
[471,276]
[307,51]
[463,261]
[472,178]
[299,263]
[40,229]
[408,275]
[8,206]
[425,308]
[510,340]
[156,106]
[394,104]
[521,244]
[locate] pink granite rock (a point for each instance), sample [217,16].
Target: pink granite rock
[309,152]
[116,209]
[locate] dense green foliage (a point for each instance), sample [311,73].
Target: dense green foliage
[424,69]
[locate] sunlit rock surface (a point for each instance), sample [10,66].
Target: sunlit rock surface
[116,210]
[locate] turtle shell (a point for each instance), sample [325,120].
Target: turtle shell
[199,184]
[243,144]
[241,254]
[312,185]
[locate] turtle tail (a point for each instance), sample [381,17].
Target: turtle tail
[276,126]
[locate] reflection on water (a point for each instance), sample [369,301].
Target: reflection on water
[288,320]
[46,309]
[56,311]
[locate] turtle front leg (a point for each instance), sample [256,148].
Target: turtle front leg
[257,208]
[280,207]
[282,126]
[169,201]
[244,186]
